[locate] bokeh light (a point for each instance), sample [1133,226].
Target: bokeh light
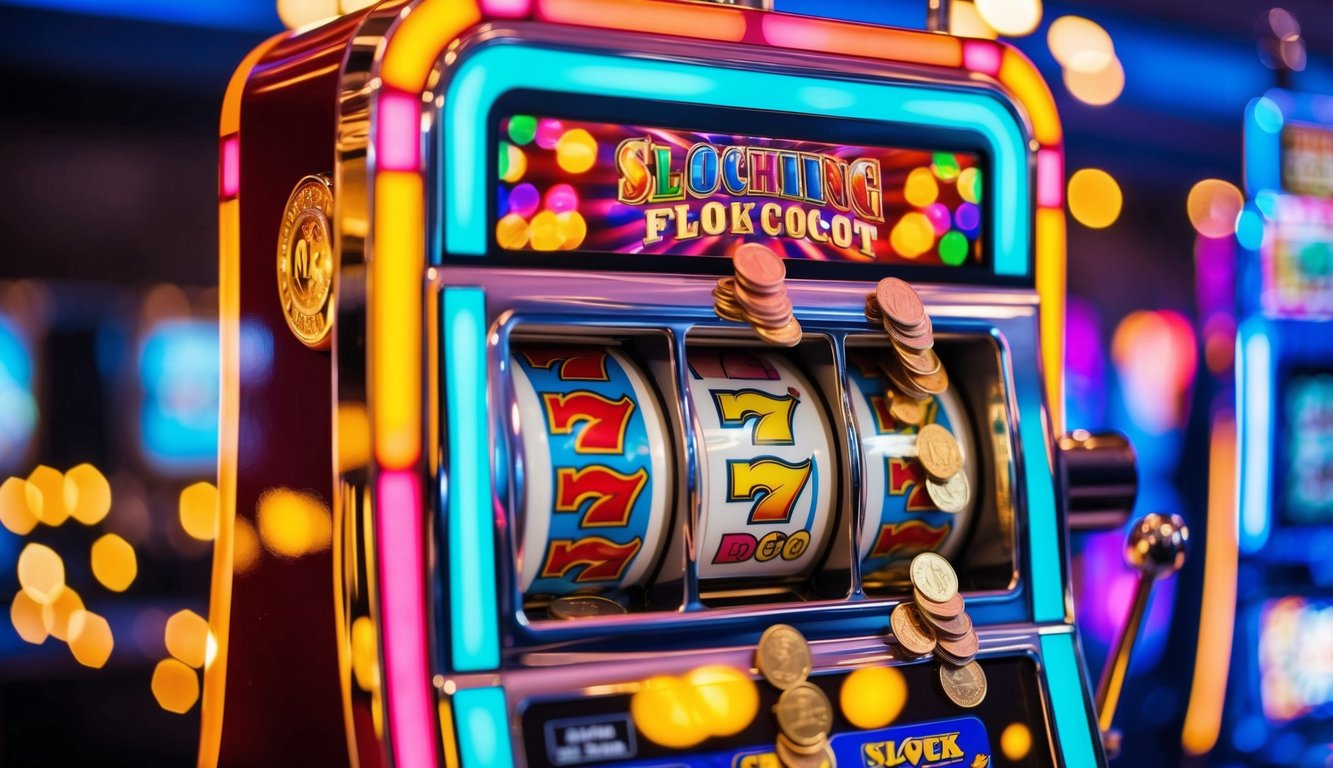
[353,436]
[545,232]
[199,510]
[524,199]
[921,189]
[1155,354]
[667,712]
[873,697]
[91,640]
[573,229]
[26,616]
[913,235]
[1080,44]
[16,513]
[57,613]
[46,495]
[1099,87]
[245,548]
[549,132]
[1094,198]
[967,217]
[114,562]
[561,198]
[292,524]
[727,697]
[969,184]
[576,151]
[939,216]
[175,686]
[953,248]
[1013,18]
[186,637]
[513,163]
[522,129]
[1016,741]
[41,572]
[965,21]
[1213,206]
[511,232]
[87,494]
[944,165]
[299,13]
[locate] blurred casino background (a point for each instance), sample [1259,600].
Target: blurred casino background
[108,344]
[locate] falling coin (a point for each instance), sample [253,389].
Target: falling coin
[964,647]
[583,606]
[788,335]
[783,656]
[933,576]
[791,756]
[908,410]
[758,267]
[938,451]
[945,610]
[965,685]
[953,628]
[911,631]
[899,302]
[951,495]
[804,714]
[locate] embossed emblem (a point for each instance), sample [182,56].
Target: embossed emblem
[306,262]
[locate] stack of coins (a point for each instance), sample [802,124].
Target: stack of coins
[758,296]
[935,622]
[804,713]
[937,450]
[914,370]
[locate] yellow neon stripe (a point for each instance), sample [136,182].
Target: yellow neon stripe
[1027,85]
[229,409]
[447,735]
[397,261]
[1217,614]
[1050,245]
[420,37]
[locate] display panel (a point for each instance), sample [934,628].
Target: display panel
[1307,159]
[1308,428]
[1298,259]
[1296,658]
[635,189]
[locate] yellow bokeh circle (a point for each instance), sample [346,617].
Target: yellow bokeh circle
[921,189]
[727,697]
[175,686]
[545,232]
[873,697]
[913,235]
[1016,741]
[114,562]
[576,151]
[41,572]
[1094,198]
[511,232]
[668,712]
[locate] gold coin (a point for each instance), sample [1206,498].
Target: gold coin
[306,262]
[583,606]
[911,631]
[792,756]
[788,335]
[963,647]
[938,451]
[908,410]
[899,302]
[934,577]
[783,656]
[952,495]
[934,383]
[945,610]
[804,714]
[965,685]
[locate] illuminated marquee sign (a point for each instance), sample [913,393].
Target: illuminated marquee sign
[1307,160]
[631,189]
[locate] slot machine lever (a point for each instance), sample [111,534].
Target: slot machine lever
[1155,548]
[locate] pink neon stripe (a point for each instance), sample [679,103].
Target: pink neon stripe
[787,32]
[511,9]
[1050,178]
[398,526]
[230,169]
[982,57]
[398,132]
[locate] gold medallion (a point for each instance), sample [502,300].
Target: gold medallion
[306,262]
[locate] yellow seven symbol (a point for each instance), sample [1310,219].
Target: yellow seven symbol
[772,414]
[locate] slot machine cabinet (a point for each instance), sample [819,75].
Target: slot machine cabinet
[1279,706]
[499,226]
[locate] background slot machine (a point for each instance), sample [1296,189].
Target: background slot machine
[579,317]
[1281,707]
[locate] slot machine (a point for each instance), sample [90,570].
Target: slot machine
[1280,692]
[583,461]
